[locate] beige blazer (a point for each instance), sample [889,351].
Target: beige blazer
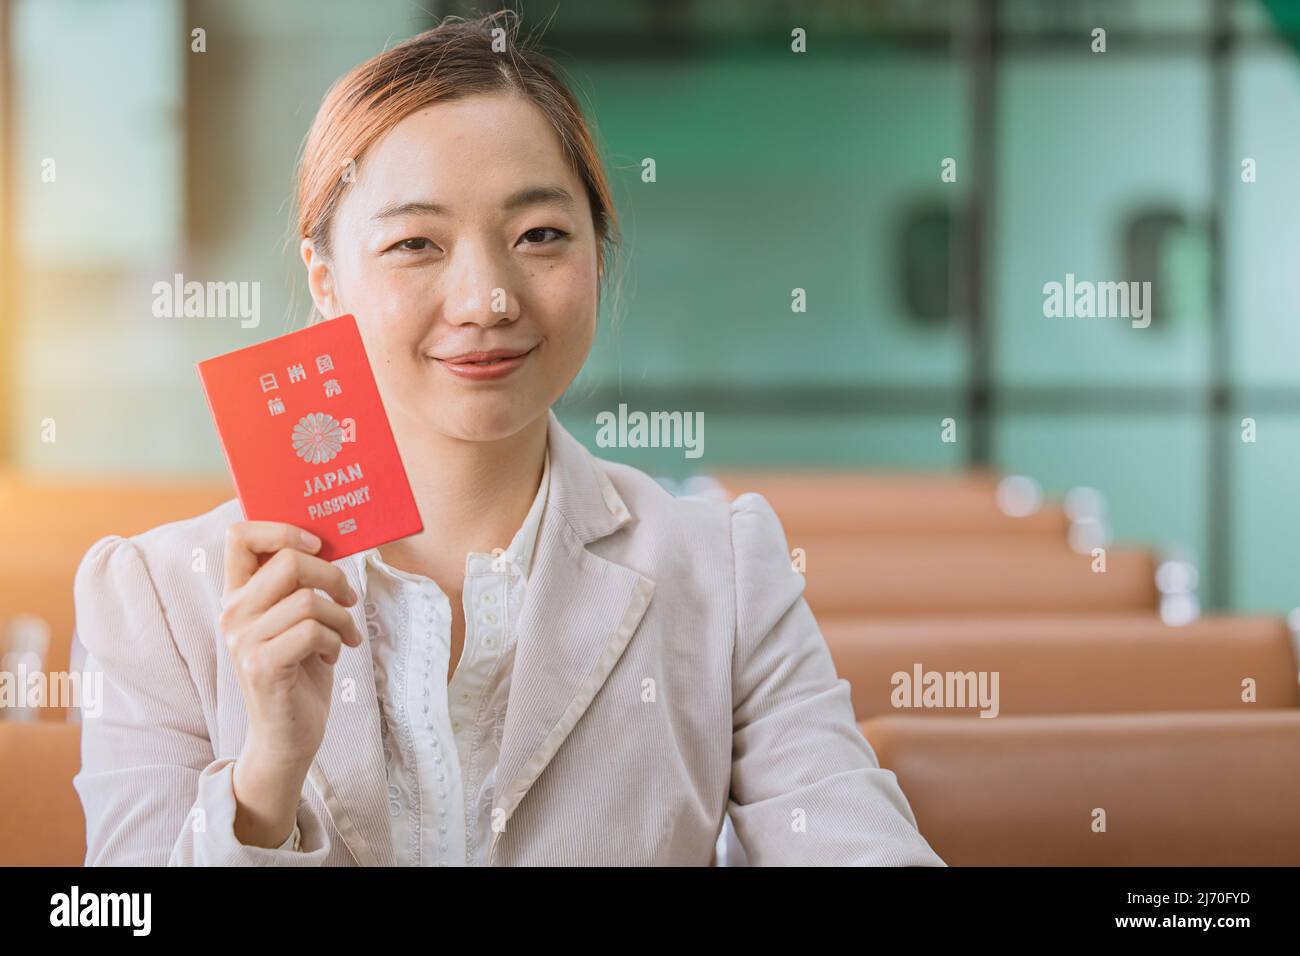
[667,673]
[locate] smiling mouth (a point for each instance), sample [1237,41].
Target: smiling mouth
[495,357]
[485,366]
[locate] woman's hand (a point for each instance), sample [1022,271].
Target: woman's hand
[284,639]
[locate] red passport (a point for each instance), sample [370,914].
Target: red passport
[305,435]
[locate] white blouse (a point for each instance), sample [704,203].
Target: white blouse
[442,741]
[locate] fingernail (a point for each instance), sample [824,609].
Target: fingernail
[310,541]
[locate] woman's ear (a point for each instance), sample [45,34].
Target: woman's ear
[320,280]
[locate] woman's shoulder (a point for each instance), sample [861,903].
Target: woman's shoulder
[195,538]
[146,597]
[173,557]
[707,552]
[701,521]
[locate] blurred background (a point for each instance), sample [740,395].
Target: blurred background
[127,157]
[775,171]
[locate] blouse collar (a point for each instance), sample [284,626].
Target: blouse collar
[519,553]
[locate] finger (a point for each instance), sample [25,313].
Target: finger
[289,571]
[245,540]
[295,645]
[304,604]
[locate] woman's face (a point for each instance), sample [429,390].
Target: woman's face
[465,231]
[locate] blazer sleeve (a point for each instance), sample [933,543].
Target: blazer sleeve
[806,788]
[151,787]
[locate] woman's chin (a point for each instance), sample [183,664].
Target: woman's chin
[483,417]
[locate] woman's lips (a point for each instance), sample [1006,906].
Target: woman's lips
[485,366]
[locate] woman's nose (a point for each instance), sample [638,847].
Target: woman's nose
[478,291]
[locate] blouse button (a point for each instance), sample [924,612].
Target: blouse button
[490,618]
[489,642]
[489,598]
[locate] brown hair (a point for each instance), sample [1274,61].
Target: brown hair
[453,60]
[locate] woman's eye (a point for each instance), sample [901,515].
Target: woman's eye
[538,235]
[413,245]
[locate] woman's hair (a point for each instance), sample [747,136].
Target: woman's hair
[455,59]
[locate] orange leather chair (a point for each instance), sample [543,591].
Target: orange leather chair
[877,504]
[944,579]
[41,823]
[929,576]
[47,525]
[1078,664]
[1176,788]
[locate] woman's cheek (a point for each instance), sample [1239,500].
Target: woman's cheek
[570,352]
[567,341]
[587,331]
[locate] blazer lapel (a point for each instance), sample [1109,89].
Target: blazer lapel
[349,771]
[579,613]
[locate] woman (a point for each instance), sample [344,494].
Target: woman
[624,668]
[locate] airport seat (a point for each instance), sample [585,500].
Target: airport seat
[1073,664]
[1096,695]
[1177,788]
[80,508]
[1016,790]
[933,576]
[881,504]
[48,524]
[41,822]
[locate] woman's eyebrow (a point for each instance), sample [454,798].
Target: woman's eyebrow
[393,210]
[528,196]
[539,195]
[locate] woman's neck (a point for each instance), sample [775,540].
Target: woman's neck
[472,496]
